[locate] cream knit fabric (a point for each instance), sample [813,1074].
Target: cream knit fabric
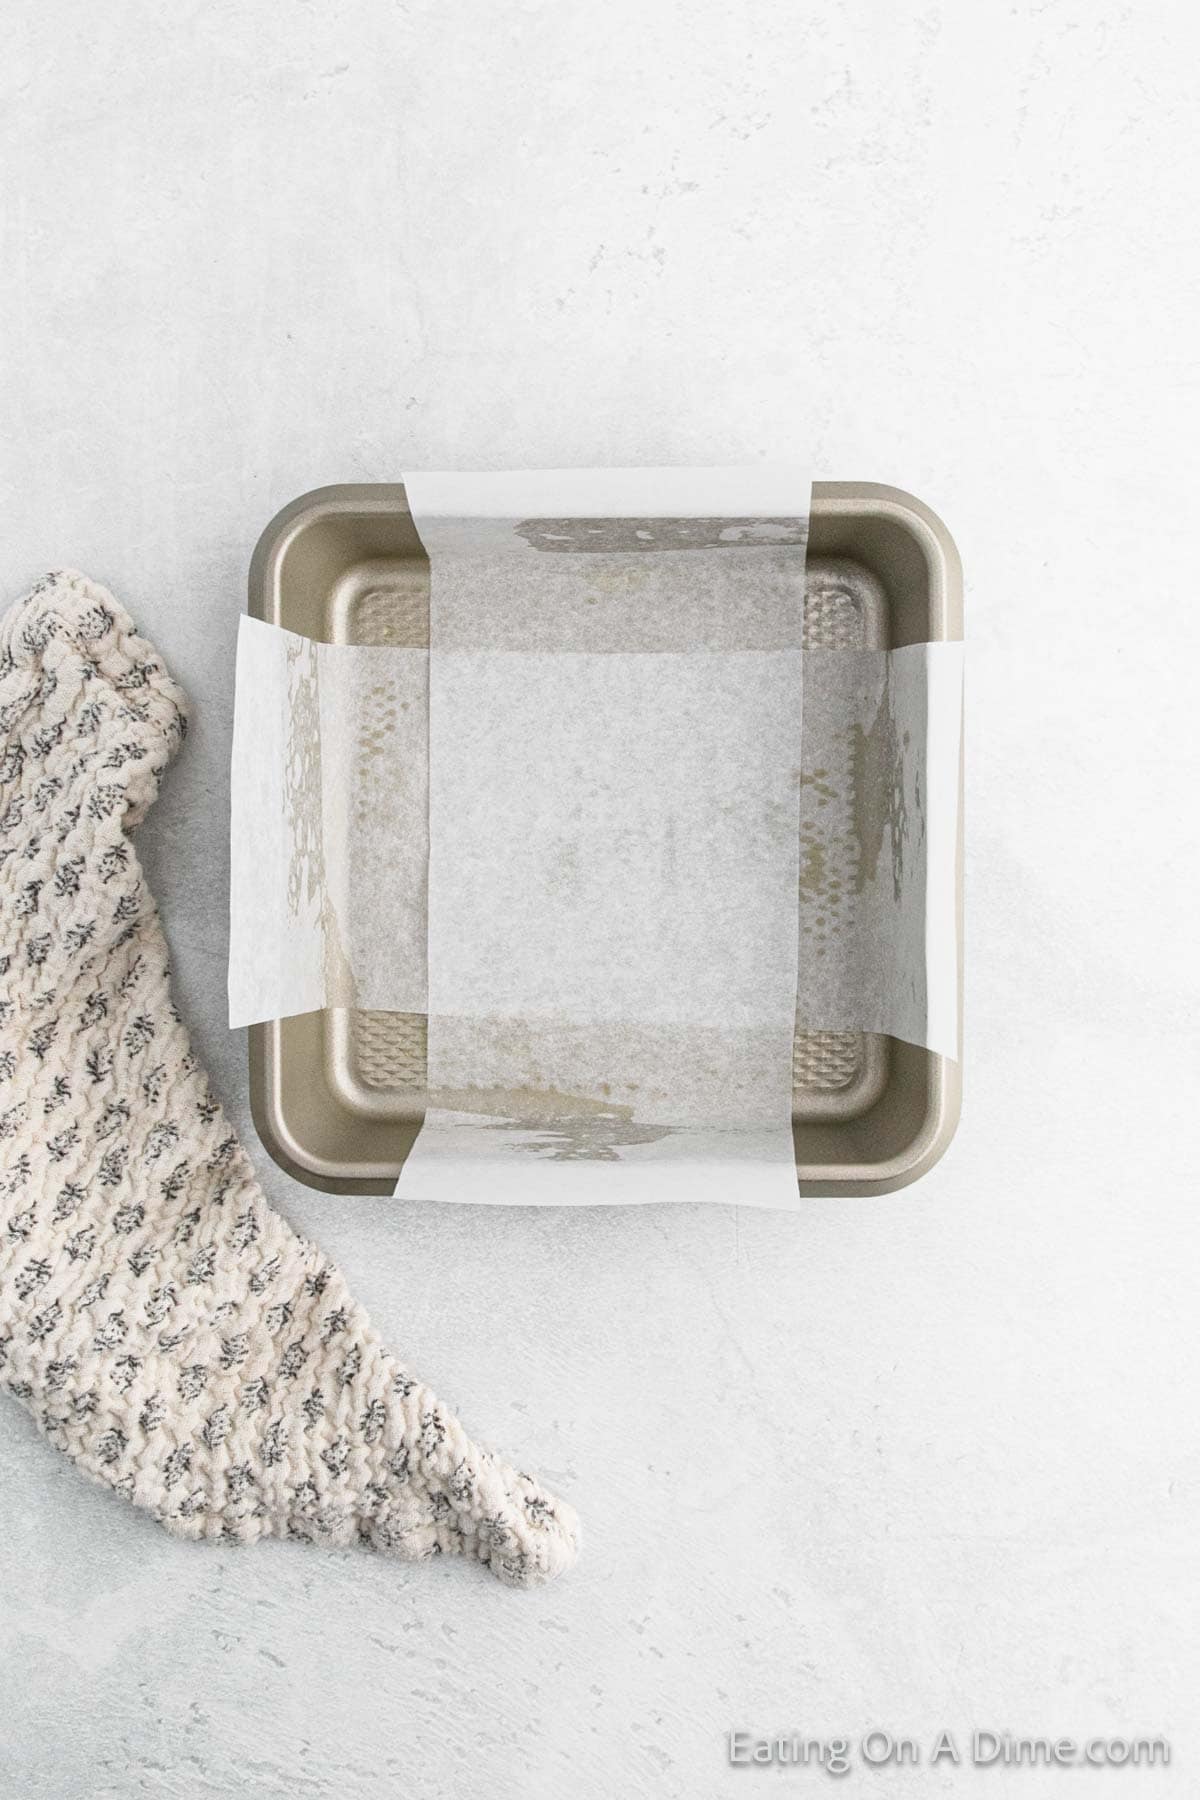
[163,1326]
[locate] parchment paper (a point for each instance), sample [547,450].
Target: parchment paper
[616,693]
[878,841]
[329,827]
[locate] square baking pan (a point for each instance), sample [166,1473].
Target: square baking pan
[338,1095]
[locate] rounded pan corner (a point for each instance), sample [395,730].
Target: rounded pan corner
[932,1144]
[928,530]
[917,1158]
[264,1105]
[306,510]
[879,496]
[285,1150]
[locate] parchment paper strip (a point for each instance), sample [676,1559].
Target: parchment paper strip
[330,842]
[878,837]
[616,691]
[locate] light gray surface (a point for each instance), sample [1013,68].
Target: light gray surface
[915,1462]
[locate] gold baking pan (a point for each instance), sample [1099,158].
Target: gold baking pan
[338,1095]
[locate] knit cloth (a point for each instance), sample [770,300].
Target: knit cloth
[165,1328]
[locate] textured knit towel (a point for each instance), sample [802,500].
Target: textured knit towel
[164,1327]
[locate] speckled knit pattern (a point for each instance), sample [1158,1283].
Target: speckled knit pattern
[165,1328]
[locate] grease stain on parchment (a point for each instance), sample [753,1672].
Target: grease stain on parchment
[306,884]
[828,858]
[880,804]
[608,537]
[861,827]
[556,1126]
[856,812]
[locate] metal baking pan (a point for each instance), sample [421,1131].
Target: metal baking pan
[338,1096]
